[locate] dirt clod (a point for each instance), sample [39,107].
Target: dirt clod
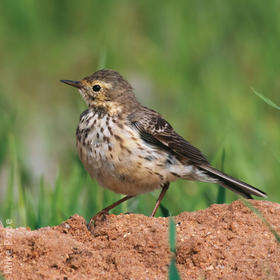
[221,242]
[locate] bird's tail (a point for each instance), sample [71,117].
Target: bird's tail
[231,183]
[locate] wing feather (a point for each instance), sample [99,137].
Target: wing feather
[157,131]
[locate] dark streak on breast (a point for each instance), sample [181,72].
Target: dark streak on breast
[84,114]
[106,139]
[118,138]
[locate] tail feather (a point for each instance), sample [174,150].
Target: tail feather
[233,184]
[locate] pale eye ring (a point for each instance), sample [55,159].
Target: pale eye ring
[96,88]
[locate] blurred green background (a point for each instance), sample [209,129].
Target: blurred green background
[196,62]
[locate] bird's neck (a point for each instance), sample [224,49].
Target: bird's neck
[118,107]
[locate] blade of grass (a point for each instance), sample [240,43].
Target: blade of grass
[9,201]
[94,193]
[261,217]
[165,212]
[56,203]
[76,186]
[124,207]
[266,100]
[21,209]
[221,198]
[30,210]
[173,273]
[172,235]
[41,204]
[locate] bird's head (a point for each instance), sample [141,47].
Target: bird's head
[106,89]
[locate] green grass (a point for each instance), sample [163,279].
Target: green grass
[173,273]
[261,217]
[221,197]
[195,62]
[266,100]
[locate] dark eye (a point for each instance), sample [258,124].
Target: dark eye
[96,88]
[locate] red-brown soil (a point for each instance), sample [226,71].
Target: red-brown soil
[221,242]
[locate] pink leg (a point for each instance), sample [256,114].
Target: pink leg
[163,191]
[108,208]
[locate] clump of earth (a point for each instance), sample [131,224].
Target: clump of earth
[221,242]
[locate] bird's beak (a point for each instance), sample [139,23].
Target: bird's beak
[76,84]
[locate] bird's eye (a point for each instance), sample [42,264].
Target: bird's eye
[96,88]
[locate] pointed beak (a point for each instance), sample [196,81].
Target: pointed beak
[76,84]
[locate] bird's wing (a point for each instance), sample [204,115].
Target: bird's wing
[156,131]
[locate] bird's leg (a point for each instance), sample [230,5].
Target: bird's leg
[163,191]
[108,208]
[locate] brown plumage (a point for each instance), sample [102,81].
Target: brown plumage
[131,149]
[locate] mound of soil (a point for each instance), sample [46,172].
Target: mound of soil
[221,242]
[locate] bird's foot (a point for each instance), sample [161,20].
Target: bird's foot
[100,216]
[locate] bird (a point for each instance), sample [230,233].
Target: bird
[131,149]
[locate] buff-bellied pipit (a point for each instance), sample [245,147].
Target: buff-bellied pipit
[131,149]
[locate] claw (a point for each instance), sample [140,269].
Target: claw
[100,216]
